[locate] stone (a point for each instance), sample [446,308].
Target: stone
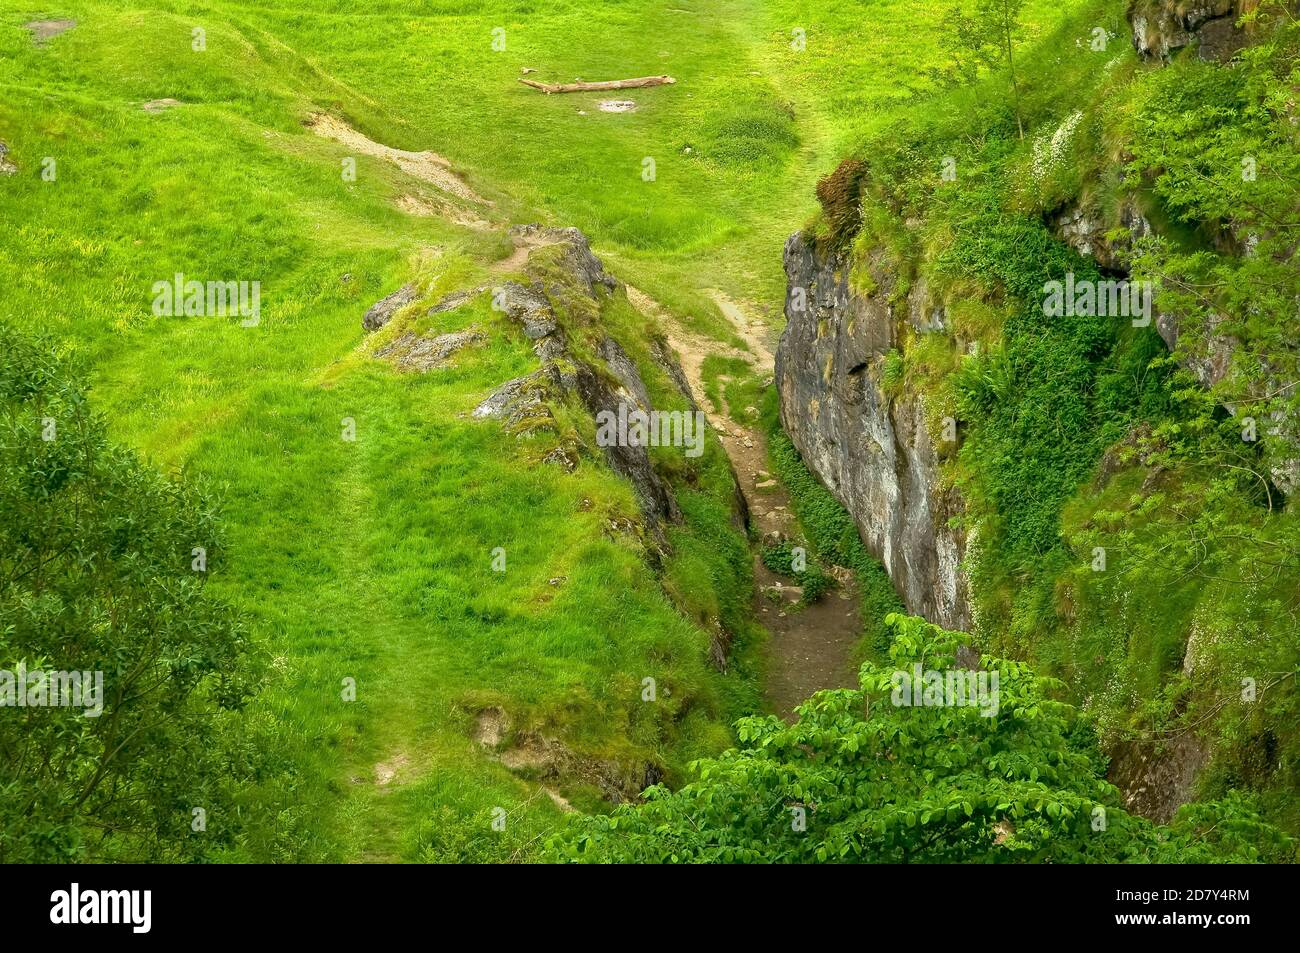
[528,306]
[517,399]
[1162,27]
[419,353]
[382,311]
[626,371]
[1086,231]
[522,402]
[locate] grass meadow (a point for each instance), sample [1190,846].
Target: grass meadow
[370,559]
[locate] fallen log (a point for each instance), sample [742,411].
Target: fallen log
[637,83]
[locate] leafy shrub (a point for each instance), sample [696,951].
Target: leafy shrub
[892,373]
[860,779]
[812,580]
[96,576]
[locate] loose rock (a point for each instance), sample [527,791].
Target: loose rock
[382,311]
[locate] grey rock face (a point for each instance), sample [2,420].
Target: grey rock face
[522,404]
[1209,361]
[528,306]
[632,463]
[418,353]
[578,259]
[564,372]
[1162,27]
[455,300]
[1157,777]
[382,311]
[519,399]
[612,353]
[6,167]
[1220,40]
[1084,230]
[1208,354]
[873,452]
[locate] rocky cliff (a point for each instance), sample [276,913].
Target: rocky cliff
[871,444]
[1162,27]
[872,451]
[570,280]
[1209,354]
[860,354]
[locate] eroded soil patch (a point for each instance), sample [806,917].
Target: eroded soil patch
[428,166]
[45,30]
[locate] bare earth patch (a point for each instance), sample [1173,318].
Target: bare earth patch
[617,106]
[414,205]
[491,727]
[387,771]
[752,331]
[43,30]
[525,238]
[559,800]
[527,758]
[428,166]
[158,105]
[420,206]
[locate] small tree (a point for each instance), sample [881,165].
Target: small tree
[861,778]
[983,38]
[98,574]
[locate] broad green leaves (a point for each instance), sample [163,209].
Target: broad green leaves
[97,557]
[881,783]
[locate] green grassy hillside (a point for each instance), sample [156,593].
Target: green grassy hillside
[1081,433]
[371,559]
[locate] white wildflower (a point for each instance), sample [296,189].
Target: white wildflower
[1048,152]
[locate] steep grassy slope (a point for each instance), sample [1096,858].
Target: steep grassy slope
[1078,432]
[369,559]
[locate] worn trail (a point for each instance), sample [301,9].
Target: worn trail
[811,647]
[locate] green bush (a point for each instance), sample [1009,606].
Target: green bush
[863,776]
[103,565]
[814,582]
